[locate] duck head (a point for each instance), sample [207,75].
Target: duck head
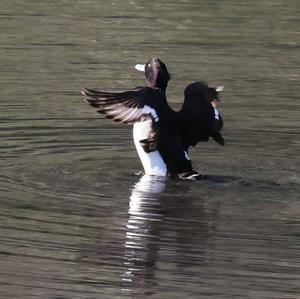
[156,73]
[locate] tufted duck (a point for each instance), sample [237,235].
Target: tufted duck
[161,135]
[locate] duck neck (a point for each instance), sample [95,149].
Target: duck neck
[156,78]
[162,85]
[158,83]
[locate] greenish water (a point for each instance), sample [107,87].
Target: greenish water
[75,220]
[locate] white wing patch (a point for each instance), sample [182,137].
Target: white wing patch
[121,113]
[217,114]
[187,156]
[149,110]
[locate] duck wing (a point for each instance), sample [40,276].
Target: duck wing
[138,104]
[198,116]
[216,127]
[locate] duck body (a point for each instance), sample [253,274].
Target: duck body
[161,135]
[152,161]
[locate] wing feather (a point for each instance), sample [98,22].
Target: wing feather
[127,107]
[198,116]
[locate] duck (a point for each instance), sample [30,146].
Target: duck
[162,136]
[199,115]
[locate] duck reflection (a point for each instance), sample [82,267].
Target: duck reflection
[142,236]
[166,233]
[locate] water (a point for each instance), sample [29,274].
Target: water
[77,222]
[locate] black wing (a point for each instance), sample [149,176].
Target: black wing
[198,116]
[130,106]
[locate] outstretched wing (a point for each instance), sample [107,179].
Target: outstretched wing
[130,106]
[198,116]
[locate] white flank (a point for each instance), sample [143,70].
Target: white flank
[152,162]
[140,67]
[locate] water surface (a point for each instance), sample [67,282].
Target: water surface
[78,222]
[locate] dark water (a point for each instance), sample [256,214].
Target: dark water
[75,220]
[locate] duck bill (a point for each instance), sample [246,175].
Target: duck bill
[219,88]
[140,67]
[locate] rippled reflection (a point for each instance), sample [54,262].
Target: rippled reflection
[163,233]
[142,235]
